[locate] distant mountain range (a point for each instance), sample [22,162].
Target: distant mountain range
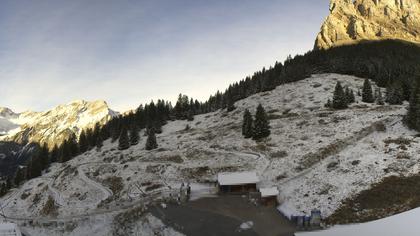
[55,125]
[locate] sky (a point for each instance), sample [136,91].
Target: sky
[128,52]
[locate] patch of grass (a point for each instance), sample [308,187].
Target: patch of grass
[115,184]
[25,195]
[398,141]
[274,116]
[153,187]
[49,209]
[123,221]
[279,154]
[393,195]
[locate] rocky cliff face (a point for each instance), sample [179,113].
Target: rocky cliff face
[352,21]
[56,125]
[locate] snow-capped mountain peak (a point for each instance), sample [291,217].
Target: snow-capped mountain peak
[55,125]
[7,113]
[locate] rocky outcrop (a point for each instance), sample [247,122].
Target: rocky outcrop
[352,21]
[56,125]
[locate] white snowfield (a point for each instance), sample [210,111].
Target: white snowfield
[316,157]
[402,224]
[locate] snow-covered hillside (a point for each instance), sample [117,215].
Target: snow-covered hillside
[55,125]
[400,224]
[317,157]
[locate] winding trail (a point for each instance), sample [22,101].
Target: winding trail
[106,191]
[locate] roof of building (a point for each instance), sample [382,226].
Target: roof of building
[9,229]
[237,178]
[269,192]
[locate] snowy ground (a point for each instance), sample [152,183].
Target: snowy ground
[315,156]
[402,224]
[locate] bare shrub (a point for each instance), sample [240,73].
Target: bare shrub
[279,154]
[49,209]
[115,184]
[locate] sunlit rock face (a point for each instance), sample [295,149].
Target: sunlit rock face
[352,21]
[54,126]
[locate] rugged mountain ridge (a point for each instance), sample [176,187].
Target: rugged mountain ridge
[55,125]
[352,21]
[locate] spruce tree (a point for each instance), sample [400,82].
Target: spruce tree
[247,124]
[151,142]
[350,96]
[379,98]
[395,94]
[54,156]
[66,151]
[91,139]
[412,118]
[44,156]
[35,165]
[328,104]
[73,146]
[83,142]
[134,135]
[339,98]
[96,132]
[19,176]
[367,93]
[99,142]
[3,189]
[261,127]
[123,141]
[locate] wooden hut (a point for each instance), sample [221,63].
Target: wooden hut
[237,182]
[269,196]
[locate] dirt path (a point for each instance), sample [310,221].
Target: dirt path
[106,191]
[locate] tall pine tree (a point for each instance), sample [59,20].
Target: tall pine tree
[44,156]
[151,142]
[247,124]
[395,94]
[367,93]
[99,142]
[55,154]
[261,125]
[66,151]
[412,118]
[123,141]
[134,135]
[83,142]
[340,99]
[19,175]
[379,98]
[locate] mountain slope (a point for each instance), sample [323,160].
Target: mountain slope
[56,125]
[354,21]
[317,157]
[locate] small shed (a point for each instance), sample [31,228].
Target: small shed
[269,196]
[237,182]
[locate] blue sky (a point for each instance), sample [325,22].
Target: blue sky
[128,52]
